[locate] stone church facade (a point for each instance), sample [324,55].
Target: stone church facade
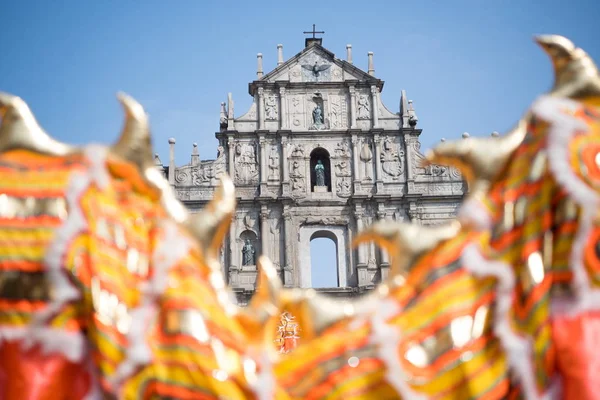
[315,109]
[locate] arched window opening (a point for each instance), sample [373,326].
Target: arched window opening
[249,249]
[324,260]
[320,170]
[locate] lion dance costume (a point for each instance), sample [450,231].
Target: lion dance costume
[110,289]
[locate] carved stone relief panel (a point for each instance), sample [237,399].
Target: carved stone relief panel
[315,68]
[337,112]
[246,164]
[274,164]
[296,109]
[366,158]
[392,159]
[297,169]
[204,174]
[344,187]
[271,113]
[363,108]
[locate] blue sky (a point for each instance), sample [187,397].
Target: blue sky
[469,65]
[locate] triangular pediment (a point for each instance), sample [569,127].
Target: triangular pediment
[316,64]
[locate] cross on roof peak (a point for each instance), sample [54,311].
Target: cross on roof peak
[314,39]
[313,32]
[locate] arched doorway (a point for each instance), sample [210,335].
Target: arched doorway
[320,156]
[324,260]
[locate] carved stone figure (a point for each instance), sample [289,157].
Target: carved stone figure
[271,108]
[248,254]
[391,159]
[298,151]
[344,187]
[363,107]
[317,114]
[246,166]
[297,184]
[342,150]
[342,168]
[274,165]
[296,171]
[320,173]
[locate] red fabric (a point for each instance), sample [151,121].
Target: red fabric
[577,343]
[30,375]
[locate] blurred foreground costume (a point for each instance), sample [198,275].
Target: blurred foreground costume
[108,288]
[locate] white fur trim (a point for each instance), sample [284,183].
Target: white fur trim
[472,212]
[387,339]
[72,345]
[171,248]
[518,349]
[64,291]
[562,128]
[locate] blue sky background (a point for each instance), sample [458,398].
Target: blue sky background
[469,65]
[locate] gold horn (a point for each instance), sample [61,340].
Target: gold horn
[575,73]
[406,242]
[259,319]
[20,130]
[135,143]
[479,160]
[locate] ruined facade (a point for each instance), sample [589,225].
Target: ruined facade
[317,155]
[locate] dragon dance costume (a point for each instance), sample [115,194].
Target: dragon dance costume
[110,289]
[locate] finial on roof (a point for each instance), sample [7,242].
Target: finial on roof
[349,53]
[442,139]
[495,134]
[195,154]
[371,67]
[412,114]
[223,117]
[171,173]
[259,67]
[279,54]
[465,135]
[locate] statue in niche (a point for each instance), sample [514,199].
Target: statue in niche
[363,107]
[318,117]
[248,254]
[271,108]
[320,172]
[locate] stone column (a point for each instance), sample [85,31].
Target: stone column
[230,151]
[384,256]
[377,142]
[261,108]
[352,107]
[356,163]
[234,265]
[361,265]
[171,174]
[282,108]
[263,165]
[285,165]
[288,254]
[375,106]
[264,229]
